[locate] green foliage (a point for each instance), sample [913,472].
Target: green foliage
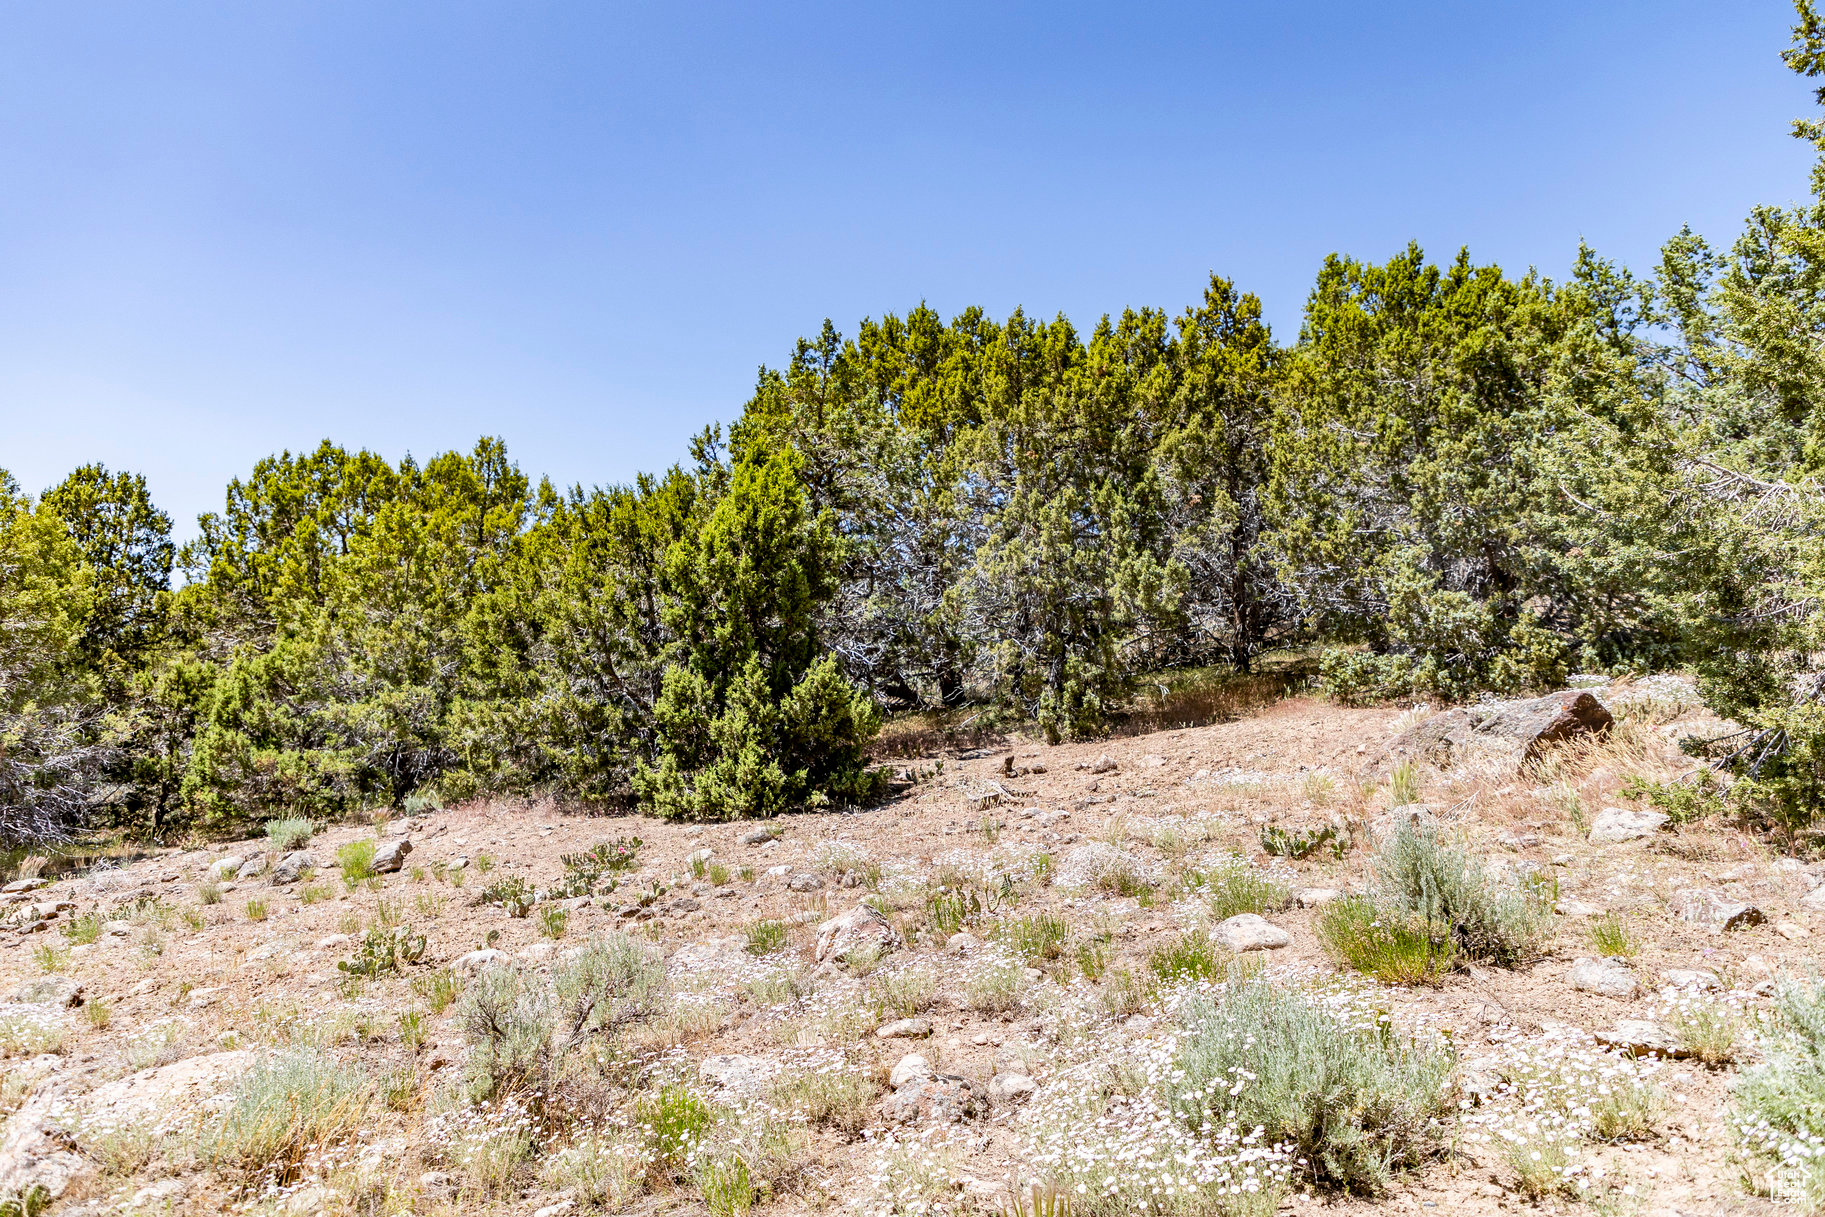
[1780,1102]
[511,893]
[283,1109]
[1394,947]
[1610,935]
[1280,843]
[1355,1101]
[284,836]
[765,937]
[383,949]
[1038,938]
[1497,923]
[356,859]
[1194,955]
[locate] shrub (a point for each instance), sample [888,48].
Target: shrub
[284,836]
[992,984]
[765,937]
[1780,1103]
[1394,947]
[511,892]
[1194,955]
[86,928]
[1403,785]
[357,861]
[1352,1099]
[523,1027]
[1610,935]
[256,909]
[29,1031]
[675,1119]
[383,950]
[727,1186]
[834,1095]
[51,958]
[904,991]
[99,1012]
[437,989]
[1419,874]
[1232,886]
[554,921]
[1283,844]
[1035,938]
[1707,1029]
[603,1169]
[283,1109]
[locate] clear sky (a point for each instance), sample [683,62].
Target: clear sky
[228,229]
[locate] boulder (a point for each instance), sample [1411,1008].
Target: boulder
[1615,825]
[938,1099]
[1104,764]
[476,961]
[805,881]
[735,1073]
[1692,978]
[1607,977]
[1814,901]
[962,943]
[226,867]
[1251,932]
[59,991]
[1640,1037]
[904,1029]
[293,866]
[1509,734]
[1011,1087]
[1714,910]
[859,929]
[391,855]
[1315,897]
[32,1153]
[911,1068]
[757,836]
[253,868]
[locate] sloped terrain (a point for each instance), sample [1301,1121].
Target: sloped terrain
[722,1016]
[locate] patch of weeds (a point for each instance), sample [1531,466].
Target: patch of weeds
[605,1169]
[1037,938]
[384,949]
[1194,955]
[209,892]
[727,1186]
[484,862]
[50,957]
[314,893]
[1710,1030]
[718,874]
[285,836]
[699,866]
[349,923]
[412,1030]
[827,1091]
[765,937]
[194,918]
[356,859]
[1394,947]
[1280,843]
[1093,957]
[1495,923]
[1320,789]
[99,1012]
[949,908]
[281,1111]
[1123,993]
[420,801]
[430,905]
[1403,785]
[437,989]
[990,828]
[904,992]
[157,1044]
[509,892]
[256,909]
[554,921]
[86,928]
[30,1031]
[1684,802]
[1232,886]
[676,1120]
[1779,1104]
[1610,935]
[1123,880]
[1354,1101]
[747,874]
[1043,866]
[992,982]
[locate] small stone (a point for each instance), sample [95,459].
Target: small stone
[292,867]
[1608,977]
[331,941]
[757,836]
[1692,978]
[962,943]
[1104,764]
[912,1068]
[774,872]
[805,881]
[1701,906]
[253,868]
[1615,825]
[555,1210]
[1569,907]
[1517,841]
[475,961]
[391,855]
[1251,932]
[699,857]
[904,1029]
[1640,1037]
[1315,897]
[1011,1087]
[1562,859]
[939,1099]
[1792,931]
[225,868]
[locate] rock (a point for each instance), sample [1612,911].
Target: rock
[962,943]
[538,952]
[1315,897]
[683,905]
[1251,932]
[912,1068]
[939,1099]
[757,836]
[59,991]
[699,857]
[1640,1037]
[775,872]
[1510,734]
[861,928]
[1104,764]
[24,885]
[555,1210]
[309,1197]
[253,868]
[1713,909]
[206,996]
[805,881]
[904,1029]
[1011,1087]
[226,868]
[1569,907]
[1517,841]
[475,961]
[1416,816]
[1614,825]
[1814,901]
[391,855]
[331,941]
[31,1154]
[735,1073]
[1692,978]
[292,867]
[1792,931]
[1608,977]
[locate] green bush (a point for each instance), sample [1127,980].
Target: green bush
[1394,947]
[1037,938]
[1233,886]
[1355,1101]
[293,832]
[765,937]
[281,1110]
[1493,922]
[357,861]
[1780,1103]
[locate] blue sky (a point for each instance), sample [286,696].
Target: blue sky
[230,229]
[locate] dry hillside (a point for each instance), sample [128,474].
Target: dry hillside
[1055,918]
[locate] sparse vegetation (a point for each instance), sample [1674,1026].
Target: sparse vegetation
[1610,935]
[356,859]
[283,1109]
[1393,946]
[291,833]
[765,937]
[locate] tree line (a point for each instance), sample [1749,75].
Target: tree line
[1452,480]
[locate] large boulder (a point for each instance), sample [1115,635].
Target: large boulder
[391,855]
[860,929]
[1251,932]
[293,866]
[1608,977]
[33,1153]
[1715,910]
[1508,734]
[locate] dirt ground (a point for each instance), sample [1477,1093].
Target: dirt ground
[230,984]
